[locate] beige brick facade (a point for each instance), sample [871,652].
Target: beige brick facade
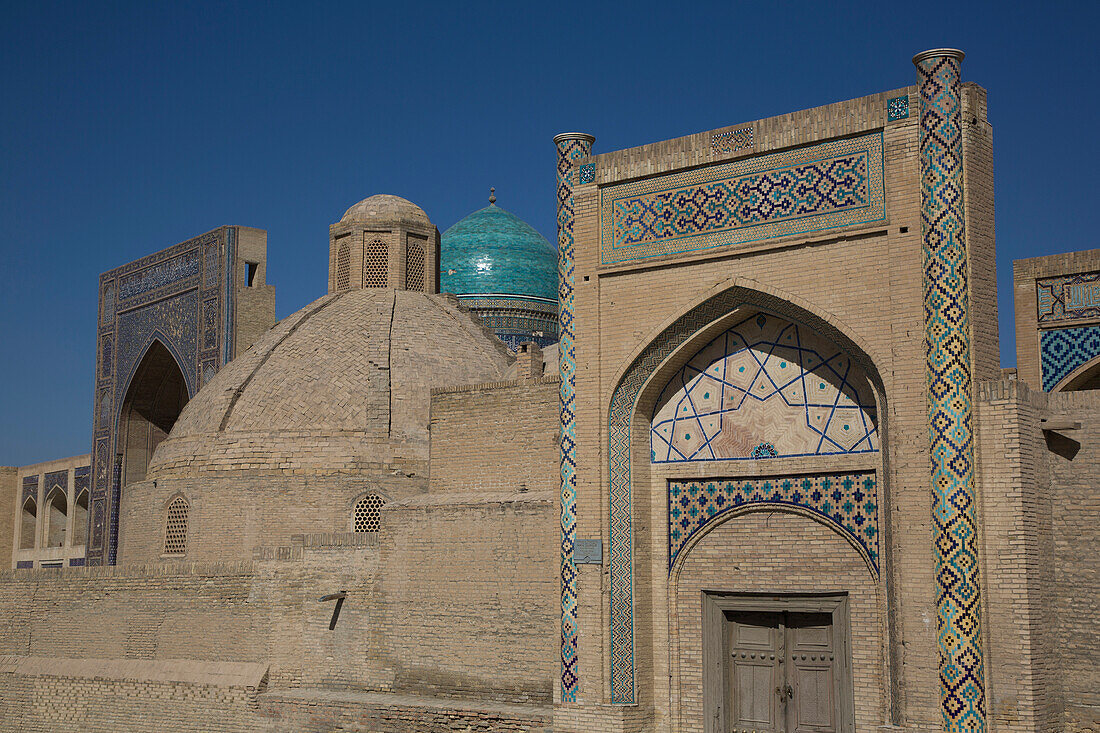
[450,607]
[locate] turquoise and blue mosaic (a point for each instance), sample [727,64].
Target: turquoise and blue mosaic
[1064,350]
[847,502]
[834,184]
[764,388]
[588,173]
[516,319]
[732,141]
[1068,297]
[897,108]
[950,407]
[571,148]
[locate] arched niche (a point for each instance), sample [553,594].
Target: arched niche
[638,487]
[154,400]
[28,524]
[57,517]
[80,518]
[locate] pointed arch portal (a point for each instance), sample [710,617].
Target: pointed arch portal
[154,400]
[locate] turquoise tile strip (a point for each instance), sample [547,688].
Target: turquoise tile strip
[947,344]
[571,147]
[833,184]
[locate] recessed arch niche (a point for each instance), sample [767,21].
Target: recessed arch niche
[154,400]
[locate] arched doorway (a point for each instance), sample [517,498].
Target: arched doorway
[153,402]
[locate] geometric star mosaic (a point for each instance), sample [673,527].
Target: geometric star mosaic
[1063,350]
[1068,297]
[764,388]
[848,502]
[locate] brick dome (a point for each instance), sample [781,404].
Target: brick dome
[341,386]
[386,207]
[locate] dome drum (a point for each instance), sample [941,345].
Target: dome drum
[384,242]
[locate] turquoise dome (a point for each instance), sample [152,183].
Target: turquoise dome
[493,251]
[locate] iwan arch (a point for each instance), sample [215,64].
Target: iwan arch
[771,477]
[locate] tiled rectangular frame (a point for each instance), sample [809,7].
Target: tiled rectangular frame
[744,200]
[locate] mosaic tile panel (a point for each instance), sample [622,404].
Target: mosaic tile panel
[848,502]
[950,408]
[58,479]
[588,173]
[825,186]
[1064,350]
[898,108]
[24,564]
[764,388]
[571,148]
[1068,297]
[732,141]
[30,488]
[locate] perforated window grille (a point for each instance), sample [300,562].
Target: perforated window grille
[368,513]
[376,265]
[175,527]
[414,265]
[343,268]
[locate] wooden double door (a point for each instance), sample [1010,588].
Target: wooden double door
[782,672]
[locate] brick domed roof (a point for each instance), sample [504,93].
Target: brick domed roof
[385,207]
[341,386]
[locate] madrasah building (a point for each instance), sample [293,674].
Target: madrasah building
[737,454]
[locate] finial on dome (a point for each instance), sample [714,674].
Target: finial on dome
[492,195]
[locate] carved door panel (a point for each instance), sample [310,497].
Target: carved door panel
[811,673]
[755,646]
[782,672]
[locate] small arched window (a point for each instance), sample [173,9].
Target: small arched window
[28,525]
[343,268]
[175,527]
[368,513]
[57,516]
[80,519]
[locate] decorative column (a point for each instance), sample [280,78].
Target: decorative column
[572,146]
[950,407]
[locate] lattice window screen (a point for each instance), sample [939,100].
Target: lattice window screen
[175,527]
[376,265]
[414,264]
[368,513]
[343,268]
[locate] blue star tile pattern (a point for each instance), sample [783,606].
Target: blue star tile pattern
[897,108]
[950,408]
[847,502]
[766,387]
[832,184]
[588,173]
[1062,351]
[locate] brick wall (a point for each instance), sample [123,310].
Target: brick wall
[498,437]
[469,584]
[1075,504]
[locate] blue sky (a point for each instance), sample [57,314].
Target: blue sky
[125,128]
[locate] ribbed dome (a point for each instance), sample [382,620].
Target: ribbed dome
[383,207]
[494,251]
[341,386]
